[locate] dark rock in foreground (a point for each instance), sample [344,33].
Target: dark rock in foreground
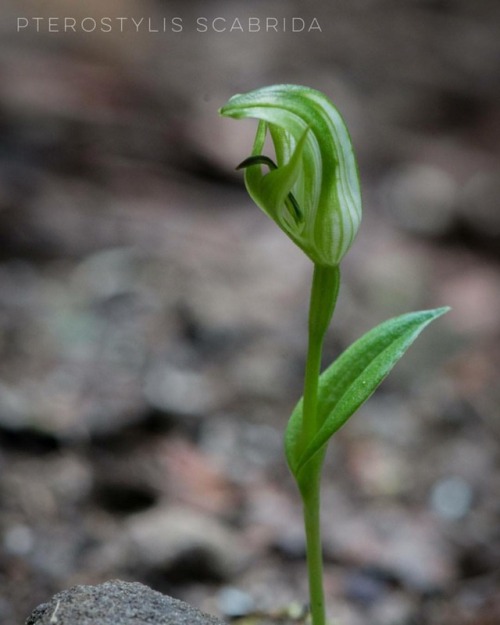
[117,603]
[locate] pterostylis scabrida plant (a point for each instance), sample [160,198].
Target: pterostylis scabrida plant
[312,191]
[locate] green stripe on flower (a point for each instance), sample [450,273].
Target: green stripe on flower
[315,164]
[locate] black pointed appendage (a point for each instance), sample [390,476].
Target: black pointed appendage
[290,202]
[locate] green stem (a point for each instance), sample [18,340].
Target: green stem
[314,555]
[324,291]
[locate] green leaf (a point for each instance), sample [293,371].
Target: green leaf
[351,380]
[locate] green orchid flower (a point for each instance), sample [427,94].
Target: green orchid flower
[313,191]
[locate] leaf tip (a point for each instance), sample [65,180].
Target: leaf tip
[438,312]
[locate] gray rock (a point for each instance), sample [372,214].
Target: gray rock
[117,603]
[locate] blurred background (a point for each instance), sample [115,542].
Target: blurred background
[153,321]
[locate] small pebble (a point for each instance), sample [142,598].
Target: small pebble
[19,540]
[233,602]
[451,498]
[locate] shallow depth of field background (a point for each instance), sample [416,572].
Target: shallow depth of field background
[153,321]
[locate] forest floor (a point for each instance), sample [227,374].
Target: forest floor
[153,332]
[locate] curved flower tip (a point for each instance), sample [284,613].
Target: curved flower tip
[312,192]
